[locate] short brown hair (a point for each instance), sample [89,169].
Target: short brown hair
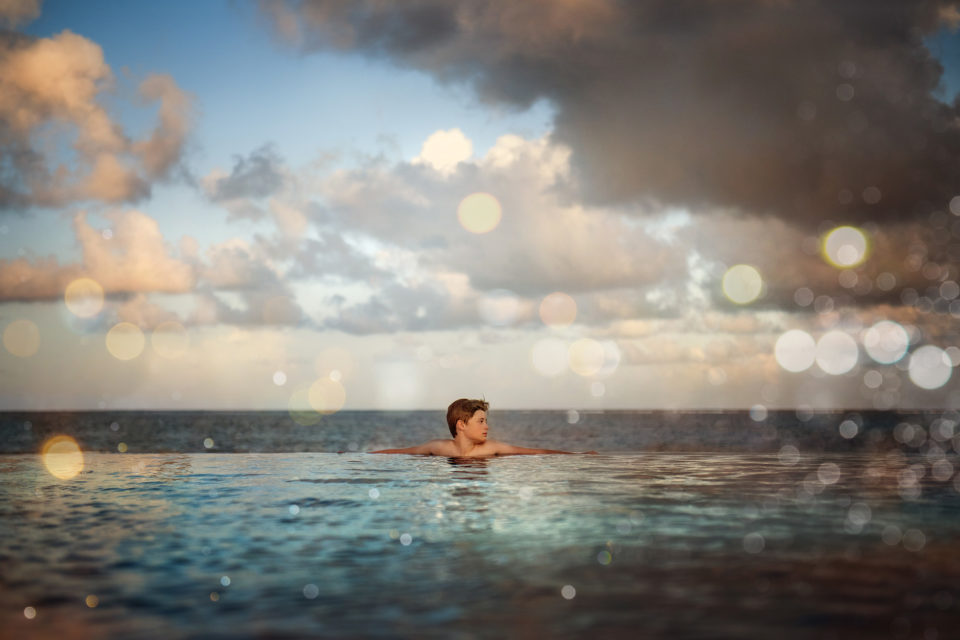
[463,409]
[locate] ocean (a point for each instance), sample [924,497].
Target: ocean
[683,525]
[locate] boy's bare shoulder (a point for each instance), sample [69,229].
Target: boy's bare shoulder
[429,448]
[440,447]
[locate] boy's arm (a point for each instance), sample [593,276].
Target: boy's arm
[433,447]
[502,448]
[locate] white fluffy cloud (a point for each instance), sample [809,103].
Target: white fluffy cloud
[544,240]
[444,150]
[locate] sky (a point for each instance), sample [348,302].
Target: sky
[567,204]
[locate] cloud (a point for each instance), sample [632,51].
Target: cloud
[444,301]
[14,13]
[163,149]
[140,311]
[544,241]
[430,273]
[132,258]
[232,282]
[49,99]
[236,264]
[803,110]
[328,255]
[261,186]
[271,306]
[44,279]
[135,258]
[902,258]
[444,150]
[258,175]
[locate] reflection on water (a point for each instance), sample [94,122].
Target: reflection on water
[707,545]
[470,463]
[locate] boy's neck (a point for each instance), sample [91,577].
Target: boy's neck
[464,444]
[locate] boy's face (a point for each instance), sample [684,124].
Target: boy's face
[476,427]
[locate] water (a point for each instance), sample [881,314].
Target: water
[620,431]
[622,544]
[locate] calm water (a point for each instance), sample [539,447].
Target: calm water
[654,545]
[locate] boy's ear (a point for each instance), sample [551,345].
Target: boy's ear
[460,423]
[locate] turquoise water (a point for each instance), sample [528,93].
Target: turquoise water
[357,545]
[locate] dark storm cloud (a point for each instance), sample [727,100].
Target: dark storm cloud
[907,264]
[803,110]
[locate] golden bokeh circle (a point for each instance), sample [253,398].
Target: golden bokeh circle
[84,297]
[845,247]
[558,310]
[326,396]
[170,340]
[586,357]
[21,338]
[62,457]
[125,341]
[742,284]
[479,213]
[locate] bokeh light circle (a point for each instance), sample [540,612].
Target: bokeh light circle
[170,340]
[549,357]
[326,396]
[479,213]
[837,352]
[848,429]
[21,338]
[886,342]
[930,367]
[300,410]
[558,310]
[795,350]
[62,457]
[742,284]
[84,297]
[611,358]
[586,357]
[125,341]
[845,247]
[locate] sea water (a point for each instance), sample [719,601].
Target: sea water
[709,544]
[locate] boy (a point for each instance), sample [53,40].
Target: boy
[467,420]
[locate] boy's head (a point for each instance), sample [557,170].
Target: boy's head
[463,409]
